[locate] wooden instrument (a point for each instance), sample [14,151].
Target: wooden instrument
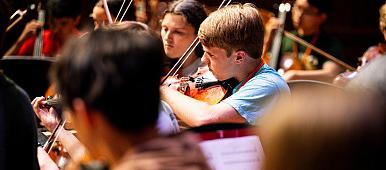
[38,48]
[375,51]
[275,48]
[330,57]
[203,88]
[173,71]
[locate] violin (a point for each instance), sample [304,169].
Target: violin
[290,62]
[274,38]
[343,78]
[203,86]
[316,49]
[372,53]
[55,103]
[55,149]
[197,86]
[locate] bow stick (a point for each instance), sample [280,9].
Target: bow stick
[189,51]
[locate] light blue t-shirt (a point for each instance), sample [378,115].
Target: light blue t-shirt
[254,98]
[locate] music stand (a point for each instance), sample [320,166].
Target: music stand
[229,146]
[30,73]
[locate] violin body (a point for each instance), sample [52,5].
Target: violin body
[371,53]
[211,95]
[210,92]
[290,62]
[343,78]
[59,154]
[203,87]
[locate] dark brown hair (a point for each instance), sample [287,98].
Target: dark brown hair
[116,73]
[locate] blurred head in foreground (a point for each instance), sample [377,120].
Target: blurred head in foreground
[323,130]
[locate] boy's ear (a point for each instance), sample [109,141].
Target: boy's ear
[77,20]
[323,17]
[82,113]
[240,56]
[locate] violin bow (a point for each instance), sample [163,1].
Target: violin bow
[120,9]
[107,11]
[195,43]
[54,136]
[330,57]
[21,15]
[189,51]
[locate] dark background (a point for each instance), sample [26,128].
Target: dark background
[354,23]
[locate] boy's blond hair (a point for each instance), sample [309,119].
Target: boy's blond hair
[382,17]
[235,27]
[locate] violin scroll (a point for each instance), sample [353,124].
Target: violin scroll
[55,103]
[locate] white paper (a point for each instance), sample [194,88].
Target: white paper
[241,153]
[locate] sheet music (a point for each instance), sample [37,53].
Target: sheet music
[241,153]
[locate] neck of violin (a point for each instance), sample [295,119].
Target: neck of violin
[276,42]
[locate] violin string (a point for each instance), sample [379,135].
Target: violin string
[119,12]
[42,15]
[37,46]
[127,8]
[41,42]
[51,137]
[39,37]
[189,50]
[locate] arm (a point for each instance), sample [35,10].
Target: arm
[48,117]
[29,29]
[45,161]
[75,149]
[329,71]
[370,54]
[196,113]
